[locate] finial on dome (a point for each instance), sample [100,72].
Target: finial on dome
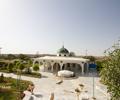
[63,45]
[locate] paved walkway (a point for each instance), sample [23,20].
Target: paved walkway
[65,91]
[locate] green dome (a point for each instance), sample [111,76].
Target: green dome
[63,50]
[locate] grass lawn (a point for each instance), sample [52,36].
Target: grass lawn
[32,74]
[6,94]
[10,88]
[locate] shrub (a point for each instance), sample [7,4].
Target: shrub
[99,65]
[10,67]
[36,67]
[110,74]
[1,78]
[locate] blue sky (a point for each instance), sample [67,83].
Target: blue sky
[28,26]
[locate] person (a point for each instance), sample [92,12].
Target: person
[52,96]
[31,88]
[28,94]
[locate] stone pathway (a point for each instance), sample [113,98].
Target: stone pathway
[65,91]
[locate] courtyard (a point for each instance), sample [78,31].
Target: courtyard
[66,90]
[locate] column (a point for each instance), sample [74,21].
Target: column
[82,66]
[52,66]
[61,64]
[44,66]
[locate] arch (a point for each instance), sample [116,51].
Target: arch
[66,66]
[78,68]
[48,66]
[75,67]
[36,62]
[56,67]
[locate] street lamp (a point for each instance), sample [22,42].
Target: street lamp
[93,70]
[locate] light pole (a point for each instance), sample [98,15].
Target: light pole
[93,73]
[86,52]
[93,86]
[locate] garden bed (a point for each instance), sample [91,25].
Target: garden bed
[32,74]
[10,88]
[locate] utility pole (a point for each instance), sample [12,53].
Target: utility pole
[86,52]
[93,86]
[93,75]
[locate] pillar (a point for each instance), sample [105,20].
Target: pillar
[52,66]
[44,66]
[82,66]
[61,64]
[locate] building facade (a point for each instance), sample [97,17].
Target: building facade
[63,61]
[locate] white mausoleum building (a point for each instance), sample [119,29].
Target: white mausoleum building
[63,61]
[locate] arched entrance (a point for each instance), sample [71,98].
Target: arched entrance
[56,67]
[48,66]
[36,62]
[72,67]
[76,68]
[66,66]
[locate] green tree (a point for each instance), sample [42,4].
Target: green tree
[92,58]
[23,57]
[36,67]
[72,54]
[11,56]
[24,64]
[99,64]
[110,73]
[10,67]
[28,65]
[15,65]
[21,66]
